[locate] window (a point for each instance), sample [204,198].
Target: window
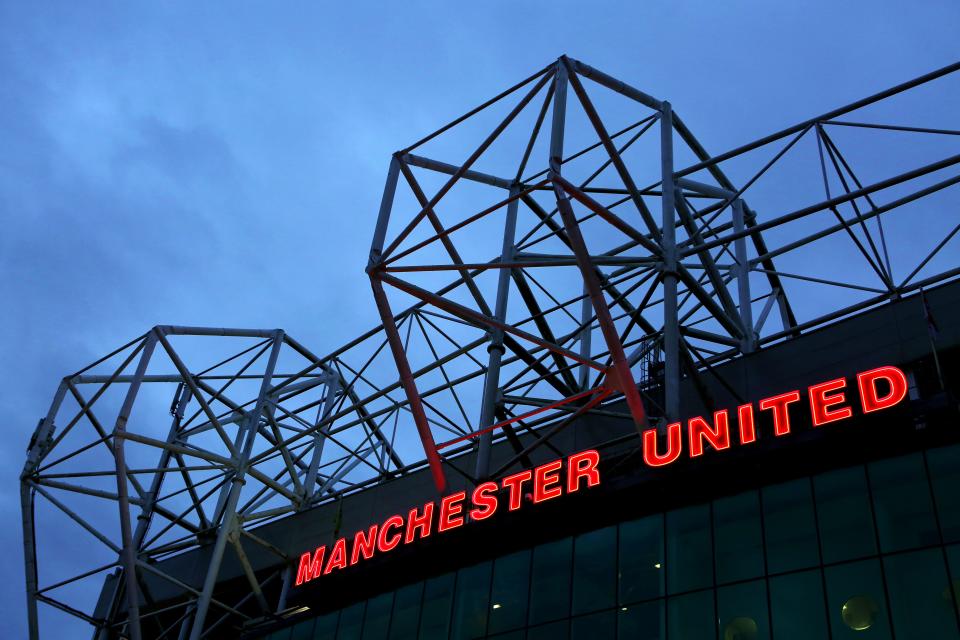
[797,606]
[641,621]
[920,601]
[944,466]
[594,570]
[743,611]
[376,621]
[689,552]
[856,601]
[691,617]
[550,583]
[435,616]
[406,612]
[641,559]
[553,631]
[843,511]
[351,622]
[791,537]
[470,602]
[303,630]
[326,626]
[902,503]
[511,582]
[739,544]
[594,626]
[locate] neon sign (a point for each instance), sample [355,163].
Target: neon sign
[827,400]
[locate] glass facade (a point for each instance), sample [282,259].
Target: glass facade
[870,551]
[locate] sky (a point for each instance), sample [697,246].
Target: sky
[221,163]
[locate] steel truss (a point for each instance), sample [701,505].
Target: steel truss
[619,270]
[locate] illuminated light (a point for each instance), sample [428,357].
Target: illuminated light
[583,465]
[674,445]
[338,557]
[657,565]
[869,397]
[546,481]
[450,508]
[748,430]
[310,566]
[387,541]
[515,484]
[293,612]
[718,436]
[623,609]
[741,628]
[485,504]
[781,414]
[859,612]
[496,606]
[820,402]
[364,544]
[419,523]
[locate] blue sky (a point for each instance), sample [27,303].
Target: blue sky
[169,163]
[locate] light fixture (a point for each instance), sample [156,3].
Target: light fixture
[623,609]
[496,605]
[656,566]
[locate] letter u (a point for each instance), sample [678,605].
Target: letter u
[674,446]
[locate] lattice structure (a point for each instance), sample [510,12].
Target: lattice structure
[598,256]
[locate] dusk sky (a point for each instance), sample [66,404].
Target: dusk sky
[222,163]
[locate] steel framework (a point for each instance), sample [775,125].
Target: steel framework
[619,270]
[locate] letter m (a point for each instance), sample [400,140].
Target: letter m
[310,566]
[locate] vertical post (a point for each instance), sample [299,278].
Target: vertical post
[671,328]
[248,433]
[129,555]
[38,444]
[748,342]
[491,382]
[586,313]
[319,436]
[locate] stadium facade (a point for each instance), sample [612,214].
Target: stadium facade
[634,421]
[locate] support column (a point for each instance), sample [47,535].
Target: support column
[248,432]
[749,341]
[320,437]
[129,555]
[491,382]
[671,327]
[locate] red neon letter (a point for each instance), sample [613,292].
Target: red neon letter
[310,566]
[419,523]
[383,542]
[449,508]
[515,484]
[820,402]
[484,501]
[748,433]
[869,397]
[650,455]
[338,557]
[363,543]
[582,465]
[718,437]
[781,416]
[544,477]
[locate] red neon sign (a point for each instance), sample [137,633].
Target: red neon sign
[878,389]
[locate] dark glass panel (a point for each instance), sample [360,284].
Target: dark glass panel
[351,622]
[944,465]
[511,584]
[594,626]
[303,630]
[376,620]
[595,570]
[689,552]
[326,627]
[641,559]
[798,611]
[691,617]
[953,559]
[406,612]
[641,621]
[435,616]
[843,510]
[738,538]
[550,583]
[509,635]
[470,603]
[553,631]
[788,518]
[901,498]
[855,598]
[743,611]
[920,596]
[280,634]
